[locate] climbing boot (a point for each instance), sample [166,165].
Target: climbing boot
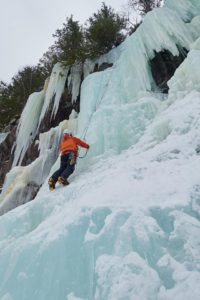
[51,184]
[63,180]
[59,180]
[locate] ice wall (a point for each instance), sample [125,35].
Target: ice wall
[38,104]
[127,227]
[127,90]
[186,77]
[27,128]
[185,9]
[74,81]
[35,109]
[54,90]
[22,183]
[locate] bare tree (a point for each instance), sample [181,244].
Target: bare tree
[144,6]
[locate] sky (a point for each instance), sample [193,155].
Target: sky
[26,28]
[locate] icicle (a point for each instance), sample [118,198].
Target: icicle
[27,128]
[109,95]
[186,9]
[54,90]
[74,81]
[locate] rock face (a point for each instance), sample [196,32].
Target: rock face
[102,67]
[26,194]
[63,113]
[31,154]
[163,66]
[6,154]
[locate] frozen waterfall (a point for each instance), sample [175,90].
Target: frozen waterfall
[127,227]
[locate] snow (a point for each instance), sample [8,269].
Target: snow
[127,226]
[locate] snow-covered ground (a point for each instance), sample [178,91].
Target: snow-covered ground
[127,227]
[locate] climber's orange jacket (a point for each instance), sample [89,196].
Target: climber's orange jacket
[70,144]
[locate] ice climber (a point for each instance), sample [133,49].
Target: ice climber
[69,153]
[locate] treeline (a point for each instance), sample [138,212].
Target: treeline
[73,44]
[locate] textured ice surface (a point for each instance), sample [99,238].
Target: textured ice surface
[21,181]
[74,81]
[127,227]
[54,90]
[27,128]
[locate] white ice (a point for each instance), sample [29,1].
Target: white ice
[127,226]
[54,90]
[27,128]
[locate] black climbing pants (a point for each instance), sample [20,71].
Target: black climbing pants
[66,167]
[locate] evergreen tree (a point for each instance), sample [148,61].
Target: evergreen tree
[26,81]
[73,45]
[3,89]
[14,96]
[104,31]
[48,60]
[69,46]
